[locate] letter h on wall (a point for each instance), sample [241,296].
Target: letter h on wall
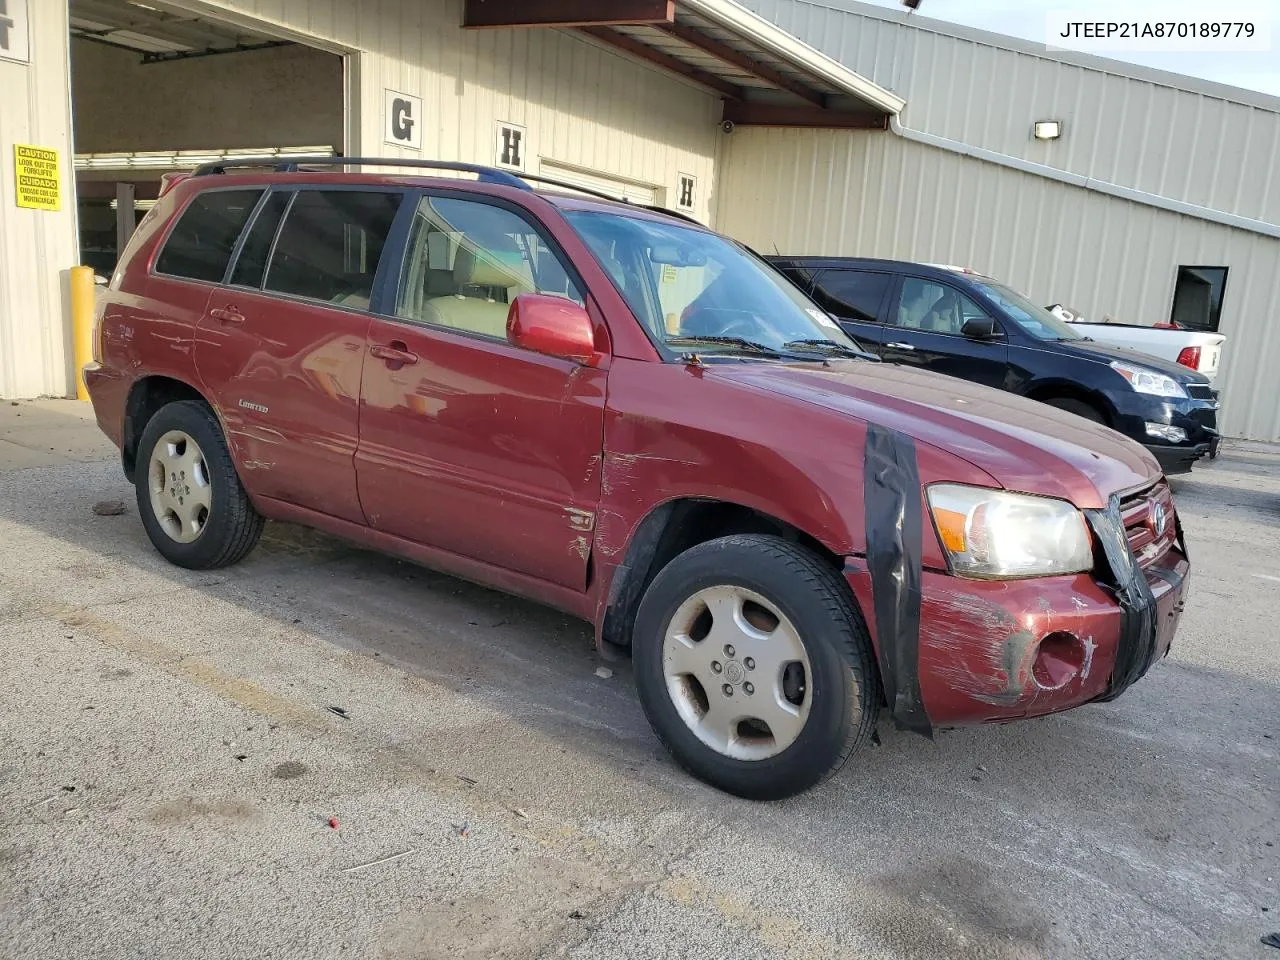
[6,24]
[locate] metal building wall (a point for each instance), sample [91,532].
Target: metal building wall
[874,194]
[1201,142]
[582,105]
[36,247]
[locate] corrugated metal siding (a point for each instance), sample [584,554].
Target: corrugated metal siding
[36,247]
[582,104]
[1210,150]
[877,195]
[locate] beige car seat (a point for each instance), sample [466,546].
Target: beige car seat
[472,308]
[944,316]
[911,314]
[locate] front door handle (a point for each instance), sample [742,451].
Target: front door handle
[900,346]
[228,315]
[395,354]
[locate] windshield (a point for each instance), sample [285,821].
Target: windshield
[695,290]
[1035,320]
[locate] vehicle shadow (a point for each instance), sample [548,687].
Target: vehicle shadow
[1142,794]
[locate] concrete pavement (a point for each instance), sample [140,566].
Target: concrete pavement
[170,762]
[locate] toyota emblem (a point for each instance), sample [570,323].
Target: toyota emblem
[1159,520]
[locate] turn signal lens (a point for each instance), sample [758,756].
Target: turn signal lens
[950,529]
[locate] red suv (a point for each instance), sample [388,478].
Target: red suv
[616,412]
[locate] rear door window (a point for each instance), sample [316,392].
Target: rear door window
[200,245]
[251,265]
[852,294]
[330,245]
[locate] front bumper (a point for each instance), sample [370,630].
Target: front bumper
[1180,458]
[994,651]
[1197,417]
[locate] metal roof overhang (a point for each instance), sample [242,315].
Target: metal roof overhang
[763,74]
[158,32]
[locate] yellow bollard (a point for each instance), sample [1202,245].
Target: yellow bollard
[82,317]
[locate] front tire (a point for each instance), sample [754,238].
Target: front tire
[192,504]
[753,666]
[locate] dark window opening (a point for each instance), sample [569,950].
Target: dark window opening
[330,245]
[852,295]
[1197,298]
[201,243]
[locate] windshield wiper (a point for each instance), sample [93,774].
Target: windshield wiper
[739,343]
[831,347]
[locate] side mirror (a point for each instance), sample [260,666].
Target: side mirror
[979,328]
[554,326]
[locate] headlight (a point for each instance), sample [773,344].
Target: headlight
[990,534]
[1148,381]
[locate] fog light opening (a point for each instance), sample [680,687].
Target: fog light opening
[1059,660]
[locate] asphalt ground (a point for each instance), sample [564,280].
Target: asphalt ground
[175,780]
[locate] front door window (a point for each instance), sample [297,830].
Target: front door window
[932,307]
[467,261]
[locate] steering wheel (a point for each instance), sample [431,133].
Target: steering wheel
[705,322]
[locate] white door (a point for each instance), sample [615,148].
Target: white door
[645,194]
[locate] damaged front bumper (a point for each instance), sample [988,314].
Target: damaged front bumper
[993,651]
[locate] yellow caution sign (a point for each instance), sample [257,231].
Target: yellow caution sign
[37,177]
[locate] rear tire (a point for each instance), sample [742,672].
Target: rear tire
[754,667]
[1079,407]
[189,496]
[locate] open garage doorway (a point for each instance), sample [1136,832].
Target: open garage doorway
[157,88]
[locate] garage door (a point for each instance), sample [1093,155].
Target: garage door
[633,190]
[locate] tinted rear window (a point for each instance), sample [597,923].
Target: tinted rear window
[200,245]
[252,262]
[330,245]
[851,293]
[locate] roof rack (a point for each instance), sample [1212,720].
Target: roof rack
[293,164]
[674,213]
[483,174]
[609,196]
[550,181]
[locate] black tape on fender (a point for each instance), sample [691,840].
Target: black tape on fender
[1137,648]
[891,497]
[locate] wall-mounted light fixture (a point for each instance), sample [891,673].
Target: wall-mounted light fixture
[1048,129]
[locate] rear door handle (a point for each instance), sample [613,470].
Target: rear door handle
[229,315]
[900,346]
[396,353]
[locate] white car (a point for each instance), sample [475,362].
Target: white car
[1196,349]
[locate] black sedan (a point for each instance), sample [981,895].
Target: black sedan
[959,323]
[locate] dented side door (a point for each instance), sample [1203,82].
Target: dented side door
[482,449]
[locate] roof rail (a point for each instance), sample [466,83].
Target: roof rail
[484,174]
[608,196]
[293,164]
[550,181]
[674,213]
